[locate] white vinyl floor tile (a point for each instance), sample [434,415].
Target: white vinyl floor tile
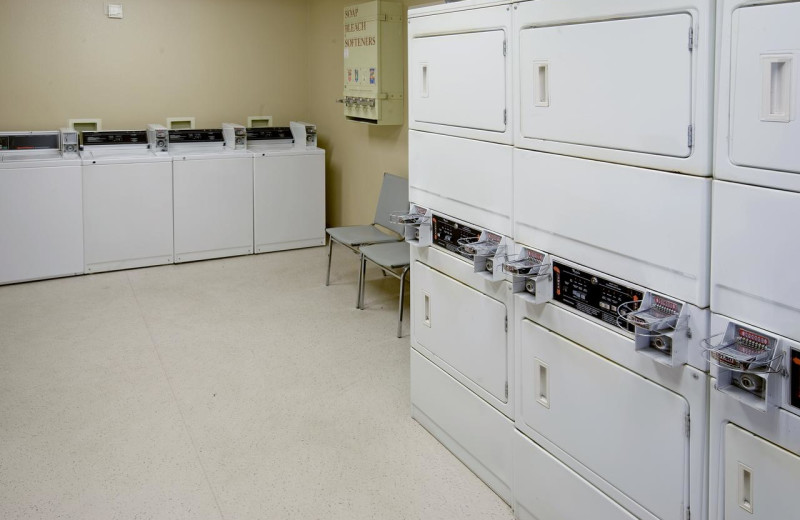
[229,389]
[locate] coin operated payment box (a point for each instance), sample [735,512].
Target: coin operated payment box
[373,63]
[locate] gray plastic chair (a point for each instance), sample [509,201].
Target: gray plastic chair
[393,197]
[390,257]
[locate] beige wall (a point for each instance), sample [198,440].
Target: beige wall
[217,60]
[357,154]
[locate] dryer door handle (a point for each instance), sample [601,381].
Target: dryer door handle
[745,488]
[541,380]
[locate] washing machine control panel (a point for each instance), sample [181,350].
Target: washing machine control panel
[592,295]
[273,133]
[29,141]
[114,137]
[450,235]
[196,136]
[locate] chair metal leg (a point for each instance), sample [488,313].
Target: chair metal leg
[402,294]
[362,269]
[330,250]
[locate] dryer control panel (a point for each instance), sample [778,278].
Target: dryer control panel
[450,235]
[592,295]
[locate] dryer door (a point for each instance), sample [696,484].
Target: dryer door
[463,328]
[625,429]
[459,74]
[618,84]
[445,65]
[760,478]
[765,67]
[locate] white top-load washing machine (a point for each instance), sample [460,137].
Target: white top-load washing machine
[288,187]
[212,194]
[460,111]
[127,201]
[41,221]
[755,344]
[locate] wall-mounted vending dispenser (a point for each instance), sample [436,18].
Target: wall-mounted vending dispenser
[373,63]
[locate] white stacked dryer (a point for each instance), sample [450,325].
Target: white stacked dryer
[213,194]
[460,153]
[612,194]
[755,343]
[288,188]
[127,201]
[41,221]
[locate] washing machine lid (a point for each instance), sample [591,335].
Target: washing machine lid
[192,152]
[272,151]
[35,159]
[121,155]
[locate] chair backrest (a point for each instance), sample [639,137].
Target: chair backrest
[393,197]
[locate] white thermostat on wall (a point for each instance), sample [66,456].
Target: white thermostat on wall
[114,10]
[373,63]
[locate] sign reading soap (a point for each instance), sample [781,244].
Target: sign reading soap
[357,33]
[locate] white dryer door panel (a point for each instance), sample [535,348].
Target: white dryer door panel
[765,71]
[754,253]
[470,180]
[546,489]
[463,328]
[127,212]
[619,84]
[213,208]
[646,226]
[459,74]
[761,478]
[41,223]
[622,427]
[289,201]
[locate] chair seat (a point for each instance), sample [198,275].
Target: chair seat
[354,236]
[395,254]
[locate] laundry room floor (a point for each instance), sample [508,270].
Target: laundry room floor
[234,389]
